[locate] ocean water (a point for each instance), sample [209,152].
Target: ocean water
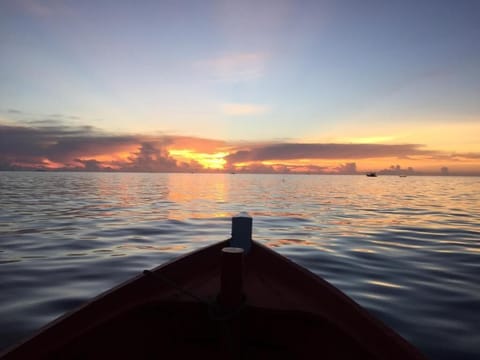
[407,249]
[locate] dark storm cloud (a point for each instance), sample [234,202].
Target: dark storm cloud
[66,148]
[151,157]
[325,151]
[90,165]
[57,143]
[21,141]
[31,145]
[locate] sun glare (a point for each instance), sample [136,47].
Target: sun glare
[208,161]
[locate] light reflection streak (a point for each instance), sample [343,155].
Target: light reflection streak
[142,248]
[287,242]
[390,244]
[385,284]
[363,250]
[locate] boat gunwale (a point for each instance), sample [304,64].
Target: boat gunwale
[82,319]
[70,315]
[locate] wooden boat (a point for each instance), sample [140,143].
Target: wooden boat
[233,300]
[371,174]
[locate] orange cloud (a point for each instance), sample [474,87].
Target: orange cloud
[196,144]
[85,148]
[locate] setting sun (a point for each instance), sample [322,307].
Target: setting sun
[207,161]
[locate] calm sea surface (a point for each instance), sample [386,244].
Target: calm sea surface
[407,249]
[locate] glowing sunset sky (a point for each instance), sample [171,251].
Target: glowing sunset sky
[255,86]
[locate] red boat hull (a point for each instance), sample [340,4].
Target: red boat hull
[288,312]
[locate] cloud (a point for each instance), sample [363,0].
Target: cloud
[63,144]
[151,157]
[86,148]
[470,155]
[51,144]
[258,167]
[233,67]
[58,120]
[196,144]
[348,168]
[91,164]
[284,151]
[65,148]
[243,109]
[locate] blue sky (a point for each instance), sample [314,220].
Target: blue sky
[262,71]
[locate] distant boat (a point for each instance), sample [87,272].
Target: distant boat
[403,175]
[372,174]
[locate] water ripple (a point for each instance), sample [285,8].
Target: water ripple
[407,249]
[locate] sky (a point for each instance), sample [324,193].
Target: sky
[241,86]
